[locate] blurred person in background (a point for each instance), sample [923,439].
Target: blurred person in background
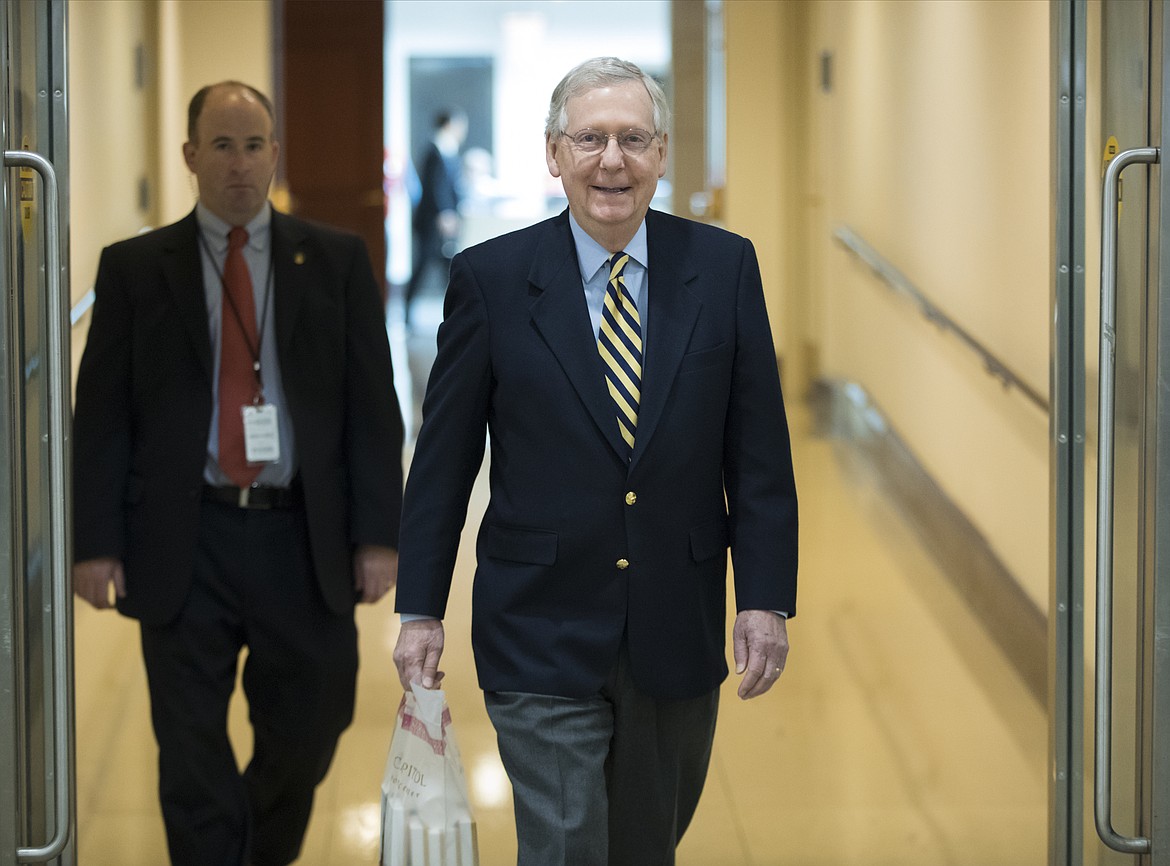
[435,222]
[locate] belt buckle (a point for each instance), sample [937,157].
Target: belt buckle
[245,493]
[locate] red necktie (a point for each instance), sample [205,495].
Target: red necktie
[238,382]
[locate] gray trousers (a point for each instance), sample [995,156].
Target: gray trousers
[609,780]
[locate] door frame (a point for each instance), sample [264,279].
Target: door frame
[1066,638]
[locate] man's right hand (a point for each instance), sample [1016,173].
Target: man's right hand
[417,653]
[92,579]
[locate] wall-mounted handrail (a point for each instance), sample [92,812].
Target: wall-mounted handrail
[898,281]
[79,309]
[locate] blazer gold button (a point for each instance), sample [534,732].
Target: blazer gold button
[631,498]
[623,564]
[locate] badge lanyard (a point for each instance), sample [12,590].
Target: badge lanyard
[225,297]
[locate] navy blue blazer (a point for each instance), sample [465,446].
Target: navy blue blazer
[144,406]
[579,547]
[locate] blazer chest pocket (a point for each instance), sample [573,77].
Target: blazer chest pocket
[533,546]
[708,540]
[703,358]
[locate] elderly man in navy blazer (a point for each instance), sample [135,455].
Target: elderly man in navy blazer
[238,483]
[620,362]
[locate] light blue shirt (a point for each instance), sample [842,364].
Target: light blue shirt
[258,255]
[591,258]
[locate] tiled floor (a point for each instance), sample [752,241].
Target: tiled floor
[899,735]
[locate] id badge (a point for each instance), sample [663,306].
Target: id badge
[261,434]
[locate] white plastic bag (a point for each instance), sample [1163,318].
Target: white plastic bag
[426,815]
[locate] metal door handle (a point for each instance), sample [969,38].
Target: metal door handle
[58,526]
[1104,650]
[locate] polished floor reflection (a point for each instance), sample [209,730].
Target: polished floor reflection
[899,736]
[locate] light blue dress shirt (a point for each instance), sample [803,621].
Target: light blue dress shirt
[591,258]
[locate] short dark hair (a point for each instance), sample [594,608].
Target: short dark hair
[445,115]
[196,107]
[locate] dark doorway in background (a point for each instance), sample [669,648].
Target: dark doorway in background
[451,82]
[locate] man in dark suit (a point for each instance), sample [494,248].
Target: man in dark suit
[237,483]
[435,221]
[621,363]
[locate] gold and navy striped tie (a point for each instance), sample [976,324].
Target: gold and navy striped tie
[620,343]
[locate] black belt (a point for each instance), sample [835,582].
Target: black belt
[255,497]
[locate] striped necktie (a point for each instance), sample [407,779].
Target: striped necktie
[620,343]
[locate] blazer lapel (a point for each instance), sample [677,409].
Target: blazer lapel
[560,315]
[288,254]
[673,313]
[183,271]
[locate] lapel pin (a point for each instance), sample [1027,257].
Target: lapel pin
[299,258]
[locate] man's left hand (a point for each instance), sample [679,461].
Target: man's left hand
[760,645]
[375,571]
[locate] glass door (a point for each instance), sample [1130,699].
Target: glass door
[36,721]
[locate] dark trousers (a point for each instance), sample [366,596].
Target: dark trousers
[254,587]
[428,254]
[611,780]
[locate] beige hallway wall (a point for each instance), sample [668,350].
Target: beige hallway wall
[767,164]
[112,119]
[133,66]
[932,144]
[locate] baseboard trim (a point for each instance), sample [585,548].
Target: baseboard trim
[1012,619]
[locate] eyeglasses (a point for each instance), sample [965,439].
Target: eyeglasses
[593,141]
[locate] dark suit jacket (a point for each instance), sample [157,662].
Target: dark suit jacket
[144,406]
[440,180]
[711,466]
